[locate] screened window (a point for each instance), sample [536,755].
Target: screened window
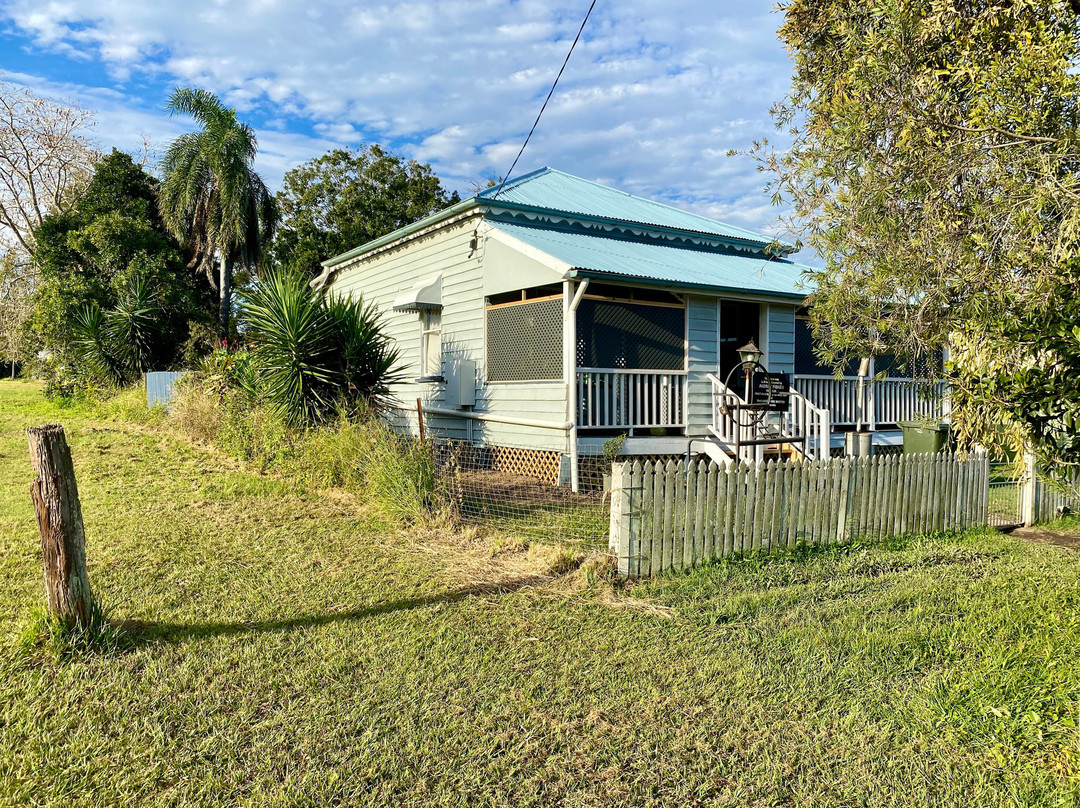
[524,341]
[630,335]
[431,343]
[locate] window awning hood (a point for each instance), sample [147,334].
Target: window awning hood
[426,295]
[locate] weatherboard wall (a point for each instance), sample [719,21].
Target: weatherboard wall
[450,252]
[701,360]
[780,327]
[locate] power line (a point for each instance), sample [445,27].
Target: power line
[550,93]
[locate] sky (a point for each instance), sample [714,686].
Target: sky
[653,98]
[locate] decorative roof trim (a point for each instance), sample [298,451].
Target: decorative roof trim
[532,214]
[741,292]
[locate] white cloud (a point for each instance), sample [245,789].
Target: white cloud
[123,123]
[651,101]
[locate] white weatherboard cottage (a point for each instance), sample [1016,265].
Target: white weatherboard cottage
[562,312]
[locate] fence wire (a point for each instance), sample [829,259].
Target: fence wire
[527,492]
[1005,496]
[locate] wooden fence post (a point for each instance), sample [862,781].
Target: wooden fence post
[621,540]
[59,515]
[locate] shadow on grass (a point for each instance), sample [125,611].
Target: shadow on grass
[137,632]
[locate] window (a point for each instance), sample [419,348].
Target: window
[431,344]
[525,341]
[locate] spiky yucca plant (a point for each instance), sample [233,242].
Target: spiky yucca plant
[118,344]
[316,357]
[368,359]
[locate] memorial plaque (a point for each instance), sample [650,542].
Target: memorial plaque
[769,391]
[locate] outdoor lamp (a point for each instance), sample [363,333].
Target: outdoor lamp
[749,353]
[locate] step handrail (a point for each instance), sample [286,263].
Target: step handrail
[803,423]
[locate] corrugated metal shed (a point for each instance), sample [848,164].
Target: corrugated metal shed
[557,191]
[597,255]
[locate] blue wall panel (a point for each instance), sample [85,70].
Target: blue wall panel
[159,387]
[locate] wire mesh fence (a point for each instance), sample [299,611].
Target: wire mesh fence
[526,492]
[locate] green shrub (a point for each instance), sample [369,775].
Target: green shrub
[222,371]
[316,357]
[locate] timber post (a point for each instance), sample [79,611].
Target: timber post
[59,516]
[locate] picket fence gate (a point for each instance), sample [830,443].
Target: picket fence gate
[669,516]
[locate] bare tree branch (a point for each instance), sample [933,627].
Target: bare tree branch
[44,157]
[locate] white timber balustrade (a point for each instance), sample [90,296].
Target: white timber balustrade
[610,398]
[727,431]
[896,400]
[811,423]
[876,402]
[805,427]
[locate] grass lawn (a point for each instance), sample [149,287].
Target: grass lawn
[285,647]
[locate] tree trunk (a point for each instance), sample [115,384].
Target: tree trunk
[59,515]
[226,298]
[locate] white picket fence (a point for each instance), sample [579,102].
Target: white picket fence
[1048,502]
[669,516]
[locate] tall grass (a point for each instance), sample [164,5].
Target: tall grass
[397,476]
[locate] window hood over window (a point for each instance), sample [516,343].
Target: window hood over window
[426,295]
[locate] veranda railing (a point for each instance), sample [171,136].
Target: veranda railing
[611,398]
[875,401]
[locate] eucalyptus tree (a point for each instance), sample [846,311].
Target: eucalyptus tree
[934,167]
[211,197]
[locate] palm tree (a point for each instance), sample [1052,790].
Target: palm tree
[211,198]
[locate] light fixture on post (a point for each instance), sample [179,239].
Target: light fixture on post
[749,354]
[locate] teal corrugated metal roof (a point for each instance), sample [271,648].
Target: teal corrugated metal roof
[558,191]
[663,263]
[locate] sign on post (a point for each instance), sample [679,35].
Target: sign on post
[770,391]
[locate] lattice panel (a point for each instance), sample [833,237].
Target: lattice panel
[630,335]
[544,466]
[536,463]
[524,341]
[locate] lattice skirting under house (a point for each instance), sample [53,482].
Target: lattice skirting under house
[537,464]
[547,467]
[543,465]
